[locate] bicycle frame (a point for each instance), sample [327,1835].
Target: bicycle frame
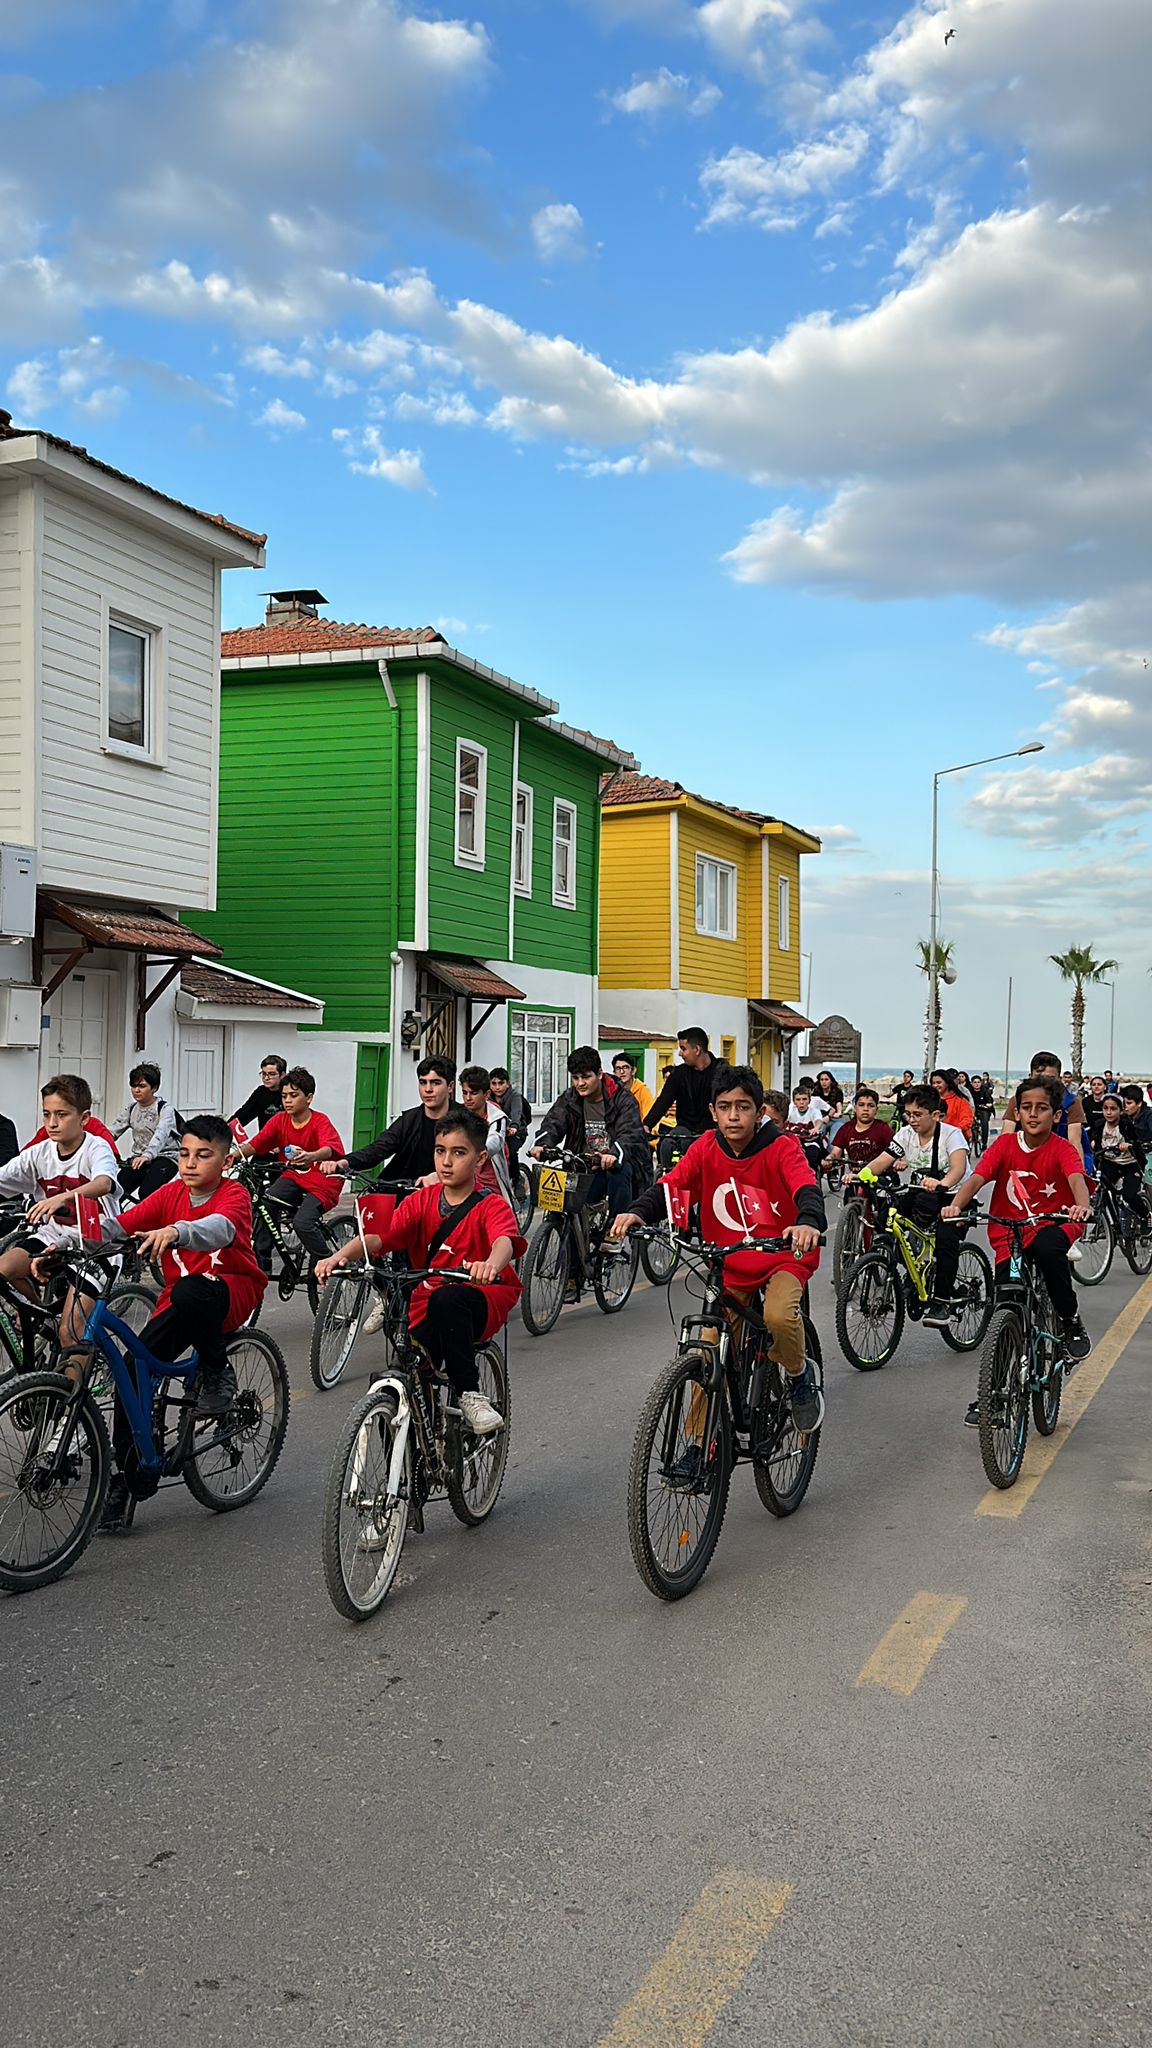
[1022,1290]
[722,1311]
[917,1247]
[136,1376]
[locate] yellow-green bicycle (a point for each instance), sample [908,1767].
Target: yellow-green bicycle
[891,1283]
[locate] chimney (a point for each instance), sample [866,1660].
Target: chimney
[292,607]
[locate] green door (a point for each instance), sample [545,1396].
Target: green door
[371,1094]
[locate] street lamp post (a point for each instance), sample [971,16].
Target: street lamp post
[1033,747]
[1111,1024]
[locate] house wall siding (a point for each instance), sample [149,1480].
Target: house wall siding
[17,658]
[468,907]
[782,978]
[146,831]
[546,934]
[705,963]
[635,944]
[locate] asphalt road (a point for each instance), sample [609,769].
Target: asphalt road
[529,1804]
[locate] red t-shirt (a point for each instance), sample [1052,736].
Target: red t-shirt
[91,1123]
[752,1195]
[1026,1180]
[859,1147]
[313,1136]
[414,1224]
[235,1264]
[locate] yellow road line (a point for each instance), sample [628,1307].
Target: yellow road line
[1042,1451]
[903,1655]
[714,1946]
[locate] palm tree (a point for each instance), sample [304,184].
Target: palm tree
[938,967]
[1080,966]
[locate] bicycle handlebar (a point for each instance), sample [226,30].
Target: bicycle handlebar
[1027,1222]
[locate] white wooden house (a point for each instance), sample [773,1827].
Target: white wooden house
[109,758]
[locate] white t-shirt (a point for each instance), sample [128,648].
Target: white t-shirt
[816,1113]
[39,1171]
[917,1152]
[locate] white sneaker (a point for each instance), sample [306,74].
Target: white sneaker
[372,1538]
[1074,1255]
[374,1320]
[480,1417]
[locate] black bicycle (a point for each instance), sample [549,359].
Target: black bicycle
[404,1443]
[348,1295]
[721,1400]
[1111,1223]
[1022,1360]
[257,1176]
[571,1248]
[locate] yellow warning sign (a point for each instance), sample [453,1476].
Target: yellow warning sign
[550,1194]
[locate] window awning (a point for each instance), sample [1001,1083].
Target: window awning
[126,928]
[782,1016]
[473,978]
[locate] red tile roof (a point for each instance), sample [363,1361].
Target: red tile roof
[10,433]
[126,926]
[654,789]
[216,985]
[472,978]
[319,636]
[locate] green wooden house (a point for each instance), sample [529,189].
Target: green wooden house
[415,839]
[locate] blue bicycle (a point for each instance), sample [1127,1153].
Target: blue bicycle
[55,1452]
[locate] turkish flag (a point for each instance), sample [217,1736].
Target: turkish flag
[238,1131]
[88,1217]
[678,1205]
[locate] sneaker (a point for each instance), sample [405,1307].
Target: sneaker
[373,1538]
[1077,1342]
[115,1510]
[216,1391]
[688,1469]
[806,1401]
[938,1315]
[374,1320]
[972,1415]
[480,1417]
[1074,1254]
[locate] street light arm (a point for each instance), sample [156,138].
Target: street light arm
[986,760]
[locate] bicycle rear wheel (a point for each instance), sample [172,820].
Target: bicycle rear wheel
[678,1482]
[545,1278]
[660,1256]
[870,1312]
[473,1484]
[523,1198]
[784,1474]
[339,1230]
[1002,1398]
[363,1529]
[230,1473]
[1136,1243]
[975,1289]
[1097,1247]
[614,1268]
[48,1508]
[345,1304]
[848,1242]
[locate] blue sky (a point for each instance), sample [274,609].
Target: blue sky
[766,379]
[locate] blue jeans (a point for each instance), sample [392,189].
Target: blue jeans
[617,1186]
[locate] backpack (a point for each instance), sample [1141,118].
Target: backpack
[176,1116]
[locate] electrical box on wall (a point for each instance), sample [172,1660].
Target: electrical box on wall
[20,1008]
[17,891]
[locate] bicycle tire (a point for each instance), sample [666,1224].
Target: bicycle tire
[1097,1251]
[871,1282]
[1137,1250]
[848,1243]
[31,1405]
[251,1353]
[1046,1403]
[546,1268]
[684,1370]
[362,1452]
[487,1455]
[339,1230]
[618,1267]
[1002,1400]
[523,1199]
[339,1319]
[782,1501]
[660,1258]
[968,1336]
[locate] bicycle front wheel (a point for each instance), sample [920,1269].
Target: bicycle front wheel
[614,1270]
[1136,1243]
[523,1199]
[1097,1247]
[474,1482]
[49,1506]
[660,1257]
[363,1530]
[848,1242]
[679,1478]
[870,1312]
[343,1308]
[545,1278]
[1002,1398]
[339,1230]
[975,1291]
[229,1473]
[784,1471]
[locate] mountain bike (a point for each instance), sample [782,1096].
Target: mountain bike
[1022,1361]
[523,1194]
[893,1282]
[347,1296]
[660,1245]
[55,1454]
[570,1249]
[858,1220]
[404,1444]
[257,1176]
[1112,1223]
[721,1400]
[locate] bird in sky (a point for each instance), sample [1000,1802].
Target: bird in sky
[948,35]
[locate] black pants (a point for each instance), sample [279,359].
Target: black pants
[919,1204]
[1048,1252]
[193,1321]
[1126,1181]
[451,1330]
[138,1181]
[305,1211]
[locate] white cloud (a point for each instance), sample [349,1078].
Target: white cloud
[458,629]
[77,378]
[666,92]
[272,362]
[735,28]
[742,185]
[558,232]
[280,418]
[368,456]
[444,409]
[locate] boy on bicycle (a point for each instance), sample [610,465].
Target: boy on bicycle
[936,1154]
[751,1179]
[66,1164]
[304,1136]
[1034,1172]
[864,1135]
[452,1224]
[1121,1156]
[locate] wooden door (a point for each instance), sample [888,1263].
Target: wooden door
[76,1041]
[199,1070]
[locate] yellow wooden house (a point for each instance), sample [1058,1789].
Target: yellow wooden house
[699,924]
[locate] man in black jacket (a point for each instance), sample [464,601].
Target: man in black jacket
[409,1143]
[596,1116]
[264,1102]
[689,1088]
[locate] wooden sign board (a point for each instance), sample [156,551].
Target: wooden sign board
[834,1040]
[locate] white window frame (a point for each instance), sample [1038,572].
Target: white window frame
[152,637]
[522,886]
[471,857]
[784,913]
[558,1039]
[722,867]
[564,899]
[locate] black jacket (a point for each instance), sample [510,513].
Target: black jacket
[409,1146]
[263,1104]
[564,1126]
[690,1089]
[9,1143]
